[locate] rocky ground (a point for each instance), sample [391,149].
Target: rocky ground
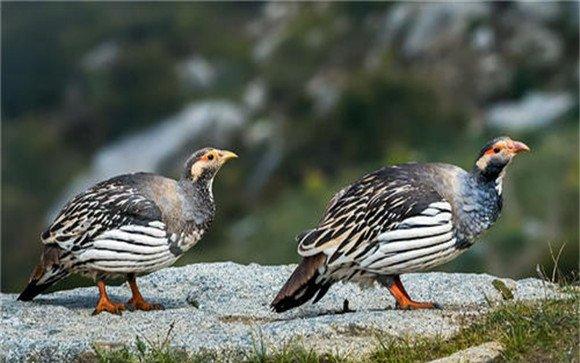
[224,308]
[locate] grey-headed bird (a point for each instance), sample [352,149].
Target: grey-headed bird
[129,225]
[399,219]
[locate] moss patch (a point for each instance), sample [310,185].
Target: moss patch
[506,292]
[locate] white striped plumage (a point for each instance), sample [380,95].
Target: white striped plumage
[129,225]
[113,229]
[399,219]
[384,224]
[416,244]
[131,248]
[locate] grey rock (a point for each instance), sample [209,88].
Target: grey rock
[101,57]
[197,73]
[532,111]
[486,352]
[233,316]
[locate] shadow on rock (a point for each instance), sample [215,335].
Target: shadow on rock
[88,301]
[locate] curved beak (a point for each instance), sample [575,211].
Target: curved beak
[226,155]
[518,147]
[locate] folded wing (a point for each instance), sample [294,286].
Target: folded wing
[113,228]
[389,221]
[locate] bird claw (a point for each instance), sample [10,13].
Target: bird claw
[158,307]
[413,305]
[115,312]
[143,305]
[112,308]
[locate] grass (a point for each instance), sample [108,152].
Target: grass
[538,332]
[546,331]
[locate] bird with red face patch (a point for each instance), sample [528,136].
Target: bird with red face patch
[129,225]
[399,219]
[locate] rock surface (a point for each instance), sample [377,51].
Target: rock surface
[224,308]
[486,352]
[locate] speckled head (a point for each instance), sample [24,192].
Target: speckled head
[205,163]
[496,155]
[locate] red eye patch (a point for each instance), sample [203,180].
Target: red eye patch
[494,149]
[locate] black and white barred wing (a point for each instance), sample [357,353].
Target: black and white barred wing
[129,248]
[417,243]
[334,226]
[358,213]
[386,221]
[112,228]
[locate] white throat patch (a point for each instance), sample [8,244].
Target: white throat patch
[498,184]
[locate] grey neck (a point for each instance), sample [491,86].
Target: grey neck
[479,207]
[197,200]
[485,178]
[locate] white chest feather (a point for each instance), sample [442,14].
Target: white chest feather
[498,184]
[186,240]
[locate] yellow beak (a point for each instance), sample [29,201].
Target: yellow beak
[226,155]
[518,147]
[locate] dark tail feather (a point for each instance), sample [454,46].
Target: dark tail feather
[301,286]
[46,273]
[321,292]
[32,290]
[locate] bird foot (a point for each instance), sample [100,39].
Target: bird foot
[141,304]
[109,306]
[414,305]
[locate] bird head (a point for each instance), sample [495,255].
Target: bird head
[205,163]
[496,155]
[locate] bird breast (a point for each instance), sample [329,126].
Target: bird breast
[478,209]
[188,237]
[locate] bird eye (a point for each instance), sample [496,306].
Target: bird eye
[496,150]
[210,157]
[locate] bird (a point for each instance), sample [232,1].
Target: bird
[399,219]
[127,226]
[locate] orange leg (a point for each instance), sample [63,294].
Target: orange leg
[105,304]
[137,302]
[403,300]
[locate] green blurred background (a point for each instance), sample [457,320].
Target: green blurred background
[311,96]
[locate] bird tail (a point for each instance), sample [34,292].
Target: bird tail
[46,273]
[302,285]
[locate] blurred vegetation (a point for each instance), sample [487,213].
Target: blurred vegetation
[341,103]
